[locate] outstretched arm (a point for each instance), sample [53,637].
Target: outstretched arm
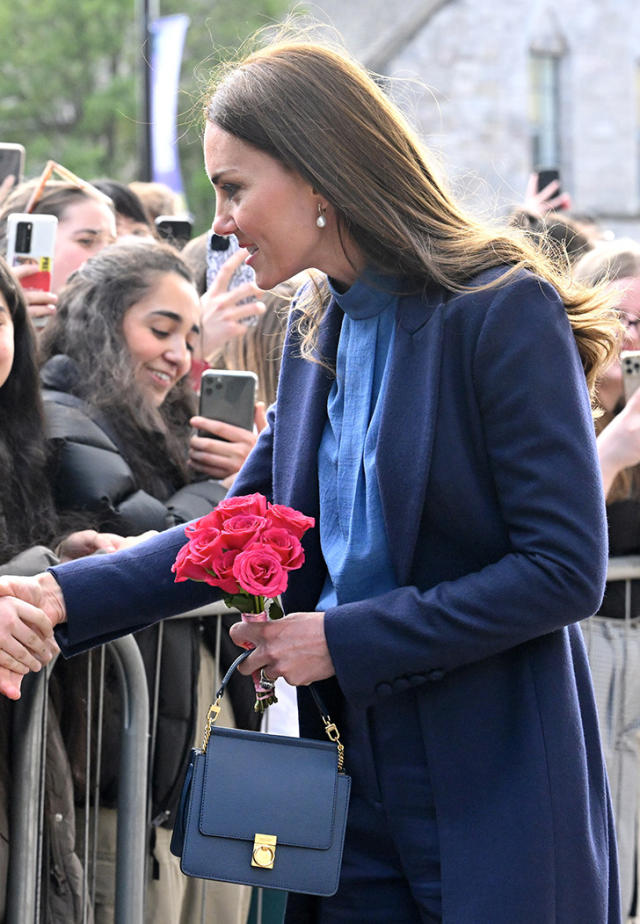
[30,608]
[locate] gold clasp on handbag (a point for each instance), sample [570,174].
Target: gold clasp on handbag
[212,715]
[264,851]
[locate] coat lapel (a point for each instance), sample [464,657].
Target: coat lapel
[407,425]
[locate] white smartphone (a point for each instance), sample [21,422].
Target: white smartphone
[630,362]
[219,249]
[228,395]
[31,241]
[11,161]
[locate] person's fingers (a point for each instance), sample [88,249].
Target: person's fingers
[28,624]
[547,191]
[532,186]
[219,429]
[260,416]
[22,662]
[10,682]
[228,268]
[5,186]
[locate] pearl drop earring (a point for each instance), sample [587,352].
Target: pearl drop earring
[321,221]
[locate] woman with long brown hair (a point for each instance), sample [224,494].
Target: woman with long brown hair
[433,414]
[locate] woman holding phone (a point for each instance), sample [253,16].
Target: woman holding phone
[433,415]
[119,406]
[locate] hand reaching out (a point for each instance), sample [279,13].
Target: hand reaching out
[619,442]
[88,541]
[30,607]
[540,201]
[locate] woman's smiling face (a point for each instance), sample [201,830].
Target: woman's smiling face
[160,331]
[272,211]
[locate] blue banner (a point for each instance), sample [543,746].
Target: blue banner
[167,42]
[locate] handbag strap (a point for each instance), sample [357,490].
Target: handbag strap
[331,729]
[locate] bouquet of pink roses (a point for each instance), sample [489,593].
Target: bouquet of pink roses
[246,547]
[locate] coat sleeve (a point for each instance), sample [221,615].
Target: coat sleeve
[538,446]
[107,596]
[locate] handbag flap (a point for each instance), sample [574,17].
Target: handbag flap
[256,783]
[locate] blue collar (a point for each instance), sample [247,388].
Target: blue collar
[370,294]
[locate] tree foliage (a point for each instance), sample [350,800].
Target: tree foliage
[70,82]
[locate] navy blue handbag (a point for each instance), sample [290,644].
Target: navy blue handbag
[264,810]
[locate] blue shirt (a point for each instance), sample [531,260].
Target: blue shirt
[352,531]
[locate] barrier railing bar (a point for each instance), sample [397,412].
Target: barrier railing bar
[132,784]
[27,802]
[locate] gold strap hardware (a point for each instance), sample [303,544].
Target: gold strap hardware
[212,715]
[331,730]
[264,851]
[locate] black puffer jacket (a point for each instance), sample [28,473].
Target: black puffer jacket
[90,476]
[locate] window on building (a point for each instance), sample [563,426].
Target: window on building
[544,105]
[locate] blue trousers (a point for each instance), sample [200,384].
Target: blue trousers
[391,863]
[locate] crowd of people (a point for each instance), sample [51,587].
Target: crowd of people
[446,399]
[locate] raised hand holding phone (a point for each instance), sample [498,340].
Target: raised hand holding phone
[225,308]
[30,251]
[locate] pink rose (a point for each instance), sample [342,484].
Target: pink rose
[285,545]
[238,531]
[246,504]
[259,571]
[288,518]
[202,527]
[186,569]
[221,561]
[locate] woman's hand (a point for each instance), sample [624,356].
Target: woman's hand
[223,311]
[540,201]
[619,442]
[293,647]
[30,607]
[40,304]
[88,541]
[222,454]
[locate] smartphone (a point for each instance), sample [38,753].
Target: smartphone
[11,162]
[228,395]
[31,241]
[174,229]
[547,175]
[630,362]
[219,249]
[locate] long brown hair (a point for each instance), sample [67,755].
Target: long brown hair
[319,113]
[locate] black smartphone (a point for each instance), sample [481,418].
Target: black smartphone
[228,395]
[547,175]
[11,161]
[174,229]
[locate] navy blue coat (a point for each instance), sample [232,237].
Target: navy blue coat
[492,500]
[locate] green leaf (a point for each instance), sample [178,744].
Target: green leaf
[240,602]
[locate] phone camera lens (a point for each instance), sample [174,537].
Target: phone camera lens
[23,236]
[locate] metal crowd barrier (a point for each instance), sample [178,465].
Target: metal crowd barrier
[25,898]
[27,797]
[613,649]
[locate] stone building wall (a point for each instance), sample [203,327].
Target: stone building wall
[473,55]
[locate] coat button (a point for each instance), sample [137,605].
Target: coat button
[436,674]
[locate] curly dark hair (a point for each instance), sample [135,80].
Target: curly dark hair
[87,327]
